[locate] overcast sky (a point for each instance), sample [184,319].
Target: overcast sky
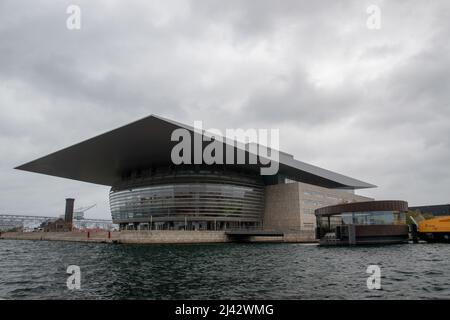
[371,104]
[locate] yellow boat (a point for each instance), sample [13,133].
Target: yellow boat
[435,229]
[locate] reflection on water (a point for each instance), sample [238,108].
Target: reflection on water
[37,270]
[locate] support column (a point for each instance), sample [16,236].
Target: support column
[351,234]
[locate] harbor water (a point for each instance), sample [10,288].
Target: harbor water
[38,270]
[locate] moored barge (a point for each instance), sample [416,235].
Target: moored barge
[433,230]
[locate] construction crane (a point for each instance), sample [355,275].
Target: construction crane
[78,214]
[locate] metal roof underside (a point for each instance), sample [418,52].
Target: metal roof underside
[147,143]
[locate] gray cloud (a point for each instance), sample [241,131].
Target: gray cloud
[370,104]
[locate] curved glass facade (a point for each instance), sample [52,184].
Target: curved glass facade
[374,217]
[329,223]
[188,200]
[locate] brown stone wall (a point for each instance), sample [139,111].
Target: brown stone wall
[282,207]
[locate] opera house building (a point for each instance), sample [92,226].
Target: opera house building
[150,192]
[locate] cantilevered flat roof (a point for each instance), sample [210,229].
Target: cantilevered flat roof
[146,143]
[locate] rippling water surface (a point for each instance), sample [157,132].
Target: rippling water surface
[37,270]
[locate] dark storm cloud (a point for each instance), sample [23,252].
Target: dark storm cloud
[371,104]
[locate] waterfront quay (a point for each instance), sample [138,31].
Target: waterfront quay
[161,236]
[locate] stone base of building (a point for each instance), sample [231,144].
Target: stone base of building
[151,237]
[300,237]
